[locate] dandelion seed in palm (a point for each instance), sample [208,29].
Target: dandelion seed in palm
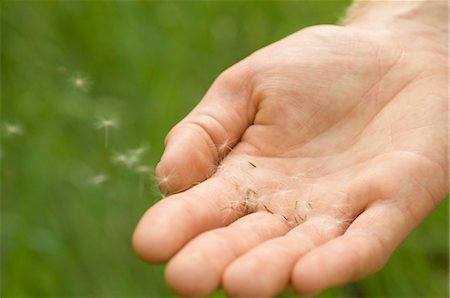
[106,124]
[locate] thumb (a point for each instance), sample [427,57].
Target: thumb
[195,146]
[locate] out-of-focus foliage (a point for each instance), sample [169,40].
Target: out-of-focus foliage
[73,185]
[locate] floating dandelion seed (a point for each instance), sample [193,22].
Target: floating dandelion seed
[134,155]
[126,159]
[138,151]
[120,158]
[99,179]
[81,83]
[130,157]
[12,129]
[106,124]
[142,170]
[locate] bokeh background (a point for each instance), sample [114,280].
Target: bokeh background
[76,72]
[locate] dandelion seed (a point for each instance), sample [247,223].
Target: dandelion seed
[164,184]
[127,159]
[120,158]
[106,124]
[246,207]
[12,129]
[249,193]
[344,222]
[227,208]
[130,157]
[232,210]
[99,179]
[138,151]
[213,168]
[142,169]
[298,219]
[81,83]
[232,205]
[267,209]
[164,180]
[224,147]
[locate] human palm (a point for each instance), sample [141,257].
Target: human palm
[306,164]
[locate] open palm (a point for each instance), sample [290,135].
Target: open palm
[307,163]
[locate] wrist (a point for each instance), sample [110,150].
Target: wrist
[420,24]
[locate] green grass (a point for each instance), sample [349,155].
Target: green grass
[148,62]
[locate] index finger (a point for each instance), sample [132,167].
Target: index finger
[173,221]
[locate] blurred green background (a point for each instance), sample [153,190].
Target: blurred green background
[70,201]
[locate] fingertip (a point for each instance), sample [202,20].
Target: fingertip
[141,243]
[342,260]
[169,224]
[166,178]
[187,160]
[191,276]
[239,279]
[233,283]
[152,244]
[304,277]
[164,229]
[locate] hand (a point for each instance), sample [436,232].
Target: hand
[306,164]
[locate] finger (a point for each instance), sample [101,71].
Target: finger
[399,196]
[265,270]
[173,221]
[197,269]
[198,142]
[362,250]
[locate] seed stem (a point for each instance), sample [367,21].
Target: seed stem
[106,136]
[267,209]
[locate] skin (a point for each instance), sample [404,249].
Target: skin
[343,125]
